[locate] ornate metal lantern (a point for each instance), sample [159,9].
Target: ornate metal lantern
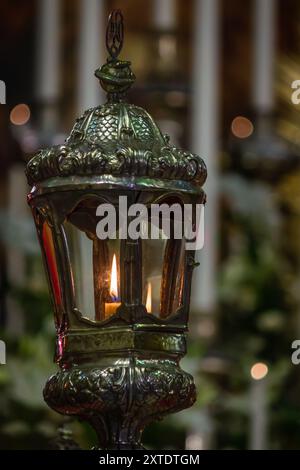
[121,304]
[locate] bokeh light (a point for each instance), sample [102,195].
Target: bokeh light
[241,127]
[20,114]
[259,371]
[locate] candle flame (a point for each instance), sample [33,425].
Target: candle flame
[149,298]
[113,290]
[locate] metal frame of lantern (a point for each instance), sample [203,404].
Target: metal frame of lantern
[122,372]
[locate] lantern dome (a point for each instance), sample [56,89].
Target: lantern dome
[117,139]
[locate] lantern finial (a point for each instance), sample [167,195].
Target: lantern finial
[115,34]
[116,76]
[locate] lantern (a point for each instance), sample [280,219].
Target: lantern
[121,303]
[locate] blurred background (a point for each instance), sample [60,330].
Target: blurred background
[216,75]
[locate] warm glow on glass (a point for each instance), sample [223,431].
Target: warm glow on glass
[49,250]
[113,290]
[20,114]
[241,127]
[149,298]
[259,371]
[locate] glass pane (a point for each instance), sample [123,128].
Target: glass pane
[163,275]
[95,264]
[81,259]
[152,267]
[172,278]
[52,266]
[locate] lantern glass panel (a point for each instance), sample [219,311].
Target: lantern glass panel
[49,250]
[163,275]
[95,264]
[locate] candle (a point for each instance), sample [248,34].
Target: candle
[149,298]
[111,307]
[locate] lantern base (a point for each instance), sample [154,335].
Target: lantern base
[119,399]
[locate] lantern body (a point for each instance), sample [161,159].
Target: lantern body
[121,304]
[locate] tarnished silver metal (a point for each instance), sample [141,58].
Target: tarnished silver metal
[115,34]
[119,372]
[117,139]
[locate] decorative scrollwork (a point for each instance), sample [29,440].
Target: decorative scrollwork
[115,34]
[103,396]
[102,147]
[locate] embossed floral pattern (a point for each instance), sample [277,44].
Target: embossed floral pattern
[116,139]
